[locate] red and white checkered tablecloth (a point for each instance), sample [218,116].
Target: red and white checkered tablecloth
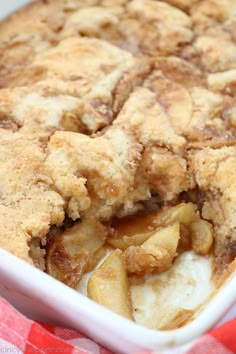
[20,335]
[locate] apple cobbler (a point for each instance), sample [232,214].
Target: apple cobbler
[118,133]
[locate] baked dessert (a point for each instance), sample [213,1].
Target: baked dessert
[112,113]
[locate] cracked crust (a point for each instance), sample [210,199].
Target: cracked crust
[214,171]
[109,105]
[27,192]
[99,173]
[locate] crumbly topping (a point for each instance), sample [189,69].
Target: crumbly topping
[106,104]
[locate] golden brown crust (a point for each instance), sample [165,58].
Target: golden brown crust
[106,104]
[99,171]
[26,192]
[214,172]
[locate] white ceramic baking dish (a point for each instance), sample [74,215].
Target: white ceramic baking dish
[7,7]
[41,297]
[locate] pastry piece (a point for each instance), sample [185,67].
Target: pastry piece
[35,111]
[31,31]
[155,27]
[13,237]
[32,111]
[149,27]
[143,116]
[27,192]
[108,172]
[214,15]
[158,115]
[96,21]
[214,26]
[214,173]
[223,82]
[206,122]
[212,57]
[70,69]
[166,173]
[195,112]
[180,71]
[94,173]
[156,254]
[148,121]
[174,98]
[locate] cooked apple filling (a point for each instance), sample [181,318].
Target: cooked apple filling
[118,135]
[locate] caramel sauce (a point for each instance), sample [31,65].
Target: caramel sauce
[135,224]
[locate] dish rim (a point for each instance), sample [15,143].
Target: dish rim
[21,274]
